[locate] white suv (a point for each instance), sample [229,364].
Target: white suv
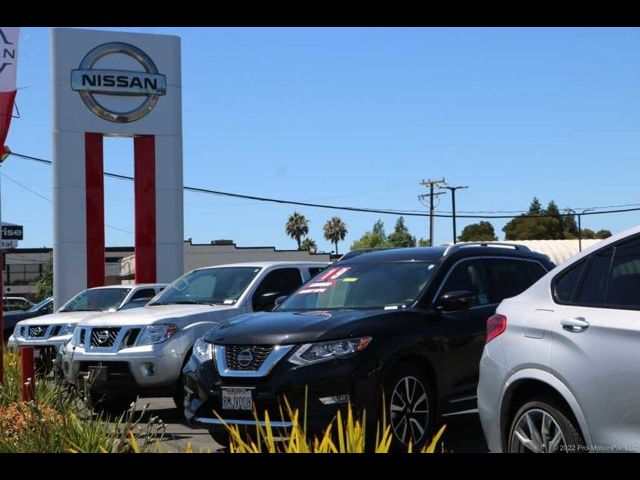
[48,333]
[142,351]
[561,368]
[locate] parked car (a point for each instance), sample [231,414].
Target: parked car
[48,333]
[561,368]
[401,326]
[10,304]
[142,351]
[11,318]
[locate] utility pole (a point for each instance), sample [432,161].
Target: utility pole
[453,207]
[431,184]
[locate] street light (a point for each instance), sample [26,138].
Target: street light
[453,206]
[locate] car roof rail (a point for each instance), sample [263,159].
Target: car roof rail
[457,246]
[359,251]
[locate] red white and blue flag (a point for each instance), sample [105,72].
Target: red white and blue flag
[8,69]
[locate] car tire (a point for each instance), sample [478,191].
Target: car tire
[110,405]
[179,397]
[406,381]
[526,432]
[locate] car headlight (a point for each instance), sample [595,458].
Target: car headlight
[202,350]
[157,334]
[320,352]
[67,329]
[16,330]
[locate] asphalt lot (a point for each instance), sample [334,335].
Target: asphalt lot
[463,433]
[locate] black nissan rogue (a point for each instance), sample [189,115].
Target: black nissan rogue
[404,328]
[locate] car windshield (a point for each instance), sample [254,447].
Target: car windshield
[99,299]
[388,285]
[39,305]
[223,286]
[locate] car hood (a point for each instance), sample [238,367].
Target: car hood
[62,318]
[177,314]
[282,328]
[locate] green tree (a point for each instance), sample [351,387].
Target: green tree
[423,242]
[401,236]
[533,225]
[297,227]
[602,234]
[308,244]
[335,230]
[588,234]
[482,231]
[44,285]
[375,238]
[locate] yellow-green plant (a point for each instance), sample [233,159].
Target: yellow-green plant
[338,437]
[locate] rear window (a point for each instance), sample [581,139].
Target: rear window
[510,277]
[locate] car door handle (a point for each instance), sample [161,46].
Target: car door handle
[577,324]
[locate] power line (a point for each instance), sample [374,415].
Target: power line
[381,211]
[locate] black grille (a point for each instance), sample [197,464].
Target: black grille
[130,337]
[103,337]
[37,331]
[238,357]
[82,332]
[55,330]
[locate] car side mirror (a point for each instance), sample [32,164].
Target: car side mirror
[266,301]
[280,300]
[456,301]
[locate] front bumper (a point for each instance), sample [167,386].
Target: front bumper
[337,382]
[151,368]
[54,342]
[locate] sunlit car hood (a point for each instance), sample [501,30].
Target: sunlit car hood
[177,314]
[62,318]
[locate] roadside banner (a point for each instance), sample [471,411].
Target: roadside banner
[8,69]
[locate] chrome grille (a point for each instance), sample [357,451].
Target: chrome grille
[37,331]
[246,357]
[103,337]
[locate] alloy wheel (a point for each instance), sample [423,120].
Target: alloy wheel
[536,431]
[409,410]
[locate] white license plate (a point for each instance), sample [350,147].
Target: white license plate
[234,398]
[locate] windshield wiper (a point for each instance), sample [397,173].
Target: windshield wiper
[183,302]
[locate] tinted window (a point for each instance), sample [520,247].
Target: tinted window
[624,284]
[282,281]
[313,271]
[469,276]
[593,288]
[567,281]
[143,293]
[511,277]
[390,285]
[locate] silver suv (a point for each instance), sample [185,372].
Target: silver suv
[560,370]
[141,352]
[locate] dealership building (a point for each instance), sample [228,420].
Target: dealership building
[24,266]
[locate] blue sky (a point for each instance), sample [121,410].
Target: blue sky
[359,117]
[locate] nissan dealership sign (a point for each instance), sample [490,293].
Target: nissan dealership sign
[115,84]
[90,82]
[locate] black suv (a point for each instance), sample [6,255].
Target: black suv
[403,328]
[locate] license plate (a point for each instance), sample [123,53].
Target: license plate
[234,398]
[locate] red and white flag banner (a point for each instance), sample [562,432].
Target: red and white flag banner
[8,69]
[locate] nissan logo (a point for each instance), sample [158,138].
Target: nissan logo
[89,81]
[102,337]
[244,358]
[37,331]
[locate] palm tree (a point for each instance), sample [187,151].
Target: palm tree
[308,244]
[297,227]
[335,230]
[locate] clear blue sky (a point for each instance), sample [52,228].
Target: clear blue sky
[359,117]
